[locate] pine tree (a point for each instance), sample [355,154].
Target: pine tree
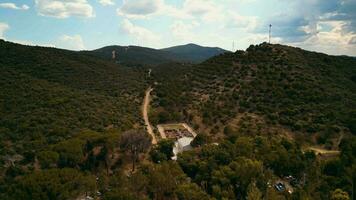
[253,193]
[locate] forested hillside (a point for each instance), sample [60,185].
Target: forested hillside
[49,94]
[265,107]
[193,52]
[70,126]
[143,56]
[133,55]
[301,92]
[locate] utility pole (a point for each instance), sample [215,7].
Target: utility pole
[233,46]
[269,37]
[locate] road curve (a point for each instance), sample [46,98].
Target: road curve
[146,104]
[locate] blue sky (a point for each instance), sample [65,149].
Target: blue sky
[327,26]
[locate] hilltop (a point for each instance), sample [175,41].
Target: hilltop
[194,53]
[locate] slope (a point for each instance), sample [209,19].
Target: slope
[134,55]
[266,85]
[48,94]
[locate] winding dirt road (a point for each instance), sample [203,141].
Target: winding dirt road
[146,104]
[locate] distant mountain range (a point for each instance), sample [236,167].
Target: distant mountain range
[136,55]
[194,53]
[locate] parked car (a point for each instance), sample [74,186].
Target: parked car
[280,187]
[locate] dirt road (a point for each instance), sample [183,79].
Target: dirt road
[145,107]
[324,151]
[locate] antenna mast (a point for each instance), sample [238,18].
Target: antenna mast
[269,37]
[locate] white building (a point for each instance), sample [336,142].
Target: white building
[182,144]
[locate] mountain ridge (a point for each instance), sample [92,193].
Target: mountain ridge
[137,55]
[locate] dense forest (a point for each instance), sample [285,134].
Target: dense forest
[71,127]
[273,87]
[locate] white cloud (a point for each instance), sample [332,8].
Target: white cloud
[140,33]
[14,6]
[352,41]
[147,8]
[199,7]
[247,23]
[106,2]
[139,8]
[335,41]
[183,31]
[3,27]
[74,42]
[65,8]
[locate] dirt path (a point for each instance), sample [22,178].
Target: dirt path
[323,151]
[145,107]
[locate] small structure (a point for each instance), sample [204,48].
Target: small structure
[181,133]
[149,72]
[182,144]
[113,54]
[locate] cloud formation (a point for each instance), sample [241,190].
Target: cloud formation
[14,6]
[72,42]
[139,33]
[312,24]
[3,27]
[107,2]
[139,8]
[64,8]
[183,31]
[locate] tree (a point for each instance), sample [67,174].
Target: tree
[70,152]
[244,147]
[163,151]
[134,142]
[57,184]
[119,195]
[200,140]
[164,179]
[48,158]
[238,174]
[230,132]
[339,194]
[351,121]
[253,193]
[272,194]
[191,191]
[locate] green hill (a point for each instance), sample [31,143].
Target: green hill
[49,94]
[135,55]
[305,92]
[194,53]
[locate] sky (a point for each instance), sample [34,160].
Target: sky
[327,26]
